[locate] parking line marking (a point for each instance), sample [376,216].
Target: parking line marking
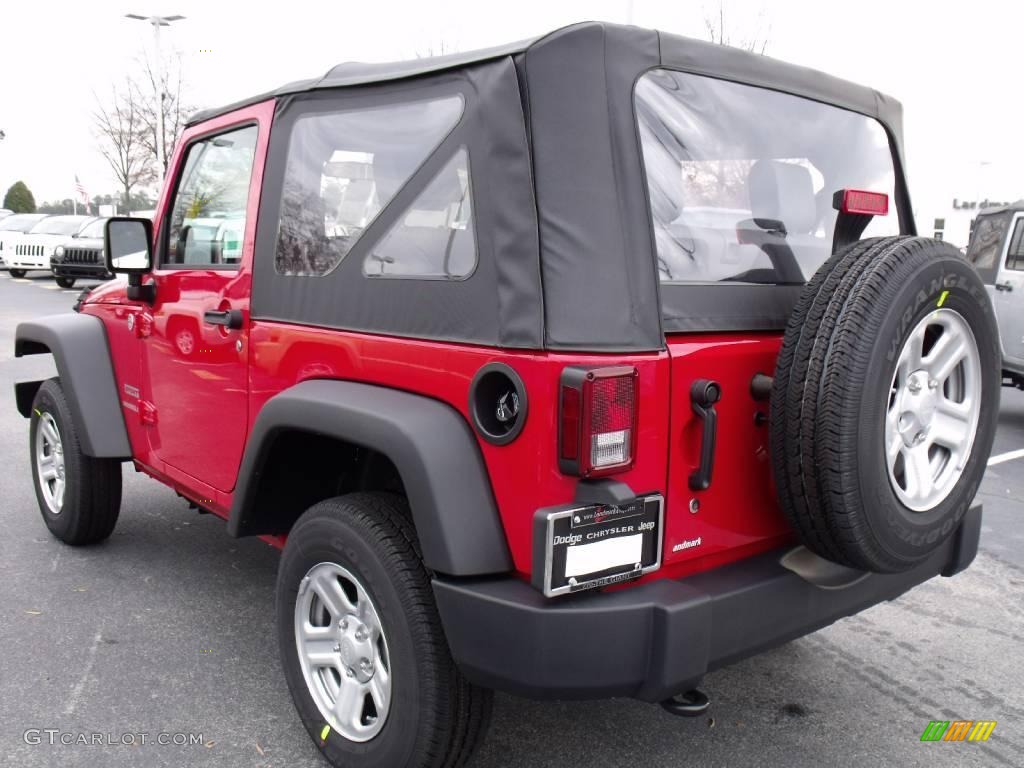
[1008,456]
[52,287]
[20,280]
[76,692]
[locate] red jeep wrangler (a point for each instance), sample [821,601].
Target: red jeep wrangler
[575,368]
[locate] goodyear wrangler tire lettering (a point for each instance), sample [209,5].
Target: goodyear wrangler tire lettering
[884,403]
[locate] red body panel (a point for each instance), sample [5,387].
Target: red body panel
[524,474]
[738,515]
[190,403]
[195,374]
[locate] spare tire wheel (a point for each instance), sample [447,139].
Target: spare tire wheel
[885,402]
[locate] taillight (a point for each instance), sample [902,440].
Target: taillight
[598,420]
[859,201]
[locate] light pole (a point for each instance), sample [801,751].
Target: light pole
[157,22]
[981,169]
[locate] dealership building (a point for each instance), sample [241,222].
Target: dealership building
[955,223]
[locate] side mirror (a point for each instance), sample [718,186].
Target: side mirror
[126,245]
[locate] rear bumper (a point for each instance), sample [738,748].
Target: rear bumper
[658,639]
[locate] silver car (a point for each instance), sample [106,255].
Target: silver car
[997,250]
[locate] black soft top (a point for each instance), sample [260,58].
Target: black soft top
[351,73]
[675,50]
[550,123]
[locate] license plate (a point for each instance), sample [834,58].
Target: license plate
[583,547]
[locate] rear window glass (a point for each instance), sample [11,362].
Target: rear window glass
[986,244]
[343,168]
[741,178]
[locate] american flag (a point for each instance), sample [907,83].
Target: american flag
[82,194]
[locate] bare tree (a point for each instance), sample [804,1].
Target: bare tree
[753,38]
[442,47]
[120,129]
[176,110]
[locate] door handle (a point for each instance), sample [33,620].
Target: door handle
[1004,287]
[229,318]
[703,396]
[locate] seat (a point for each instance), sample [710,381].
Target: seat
[784,191]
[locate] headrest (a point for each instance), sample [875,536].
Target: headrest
[785,192]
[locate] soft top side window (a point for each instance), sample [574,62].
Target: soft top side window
[726,162]
[433,238]
[343,169]
[1015,253]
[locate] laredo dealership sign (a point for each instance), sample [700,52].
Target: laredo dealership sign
[967,205]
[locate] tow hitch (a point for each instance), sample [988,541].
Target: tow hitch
[690,704]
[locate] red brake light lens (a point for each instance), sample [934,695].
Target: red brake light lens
[869,203]
[598,420]
[570,423]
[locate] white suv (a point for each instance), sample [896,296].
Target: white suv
[12,229]
[997,250]
[34,249]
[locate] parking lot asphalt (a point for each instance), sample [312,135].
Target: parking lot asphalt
[168,628]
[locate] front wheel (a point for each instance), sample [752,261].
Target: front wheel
[17,272]
[66,282]
[361,641]
[79,496]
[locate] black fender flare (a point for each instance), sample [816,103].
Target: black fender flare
[428,441]
[82,354]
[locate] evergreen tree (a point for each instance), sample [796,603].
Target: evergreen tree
[19,198]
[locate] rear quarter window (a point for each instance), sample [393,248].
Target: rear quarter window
[343,170]
[723,159]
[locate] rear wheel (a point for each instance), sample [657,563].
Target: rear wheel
[361,642]
[17,272]
[66,282]
[879,437]
[79,496]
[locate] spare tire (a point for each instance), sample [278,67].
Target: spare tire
[885,402]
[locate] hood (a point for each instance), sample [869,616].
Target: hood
[88,243]
[8,239]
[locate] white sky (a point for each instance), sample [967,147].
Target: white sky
[950,64]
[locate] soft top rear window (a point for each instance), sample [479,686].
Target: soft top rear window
[986,244]
[726,161]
